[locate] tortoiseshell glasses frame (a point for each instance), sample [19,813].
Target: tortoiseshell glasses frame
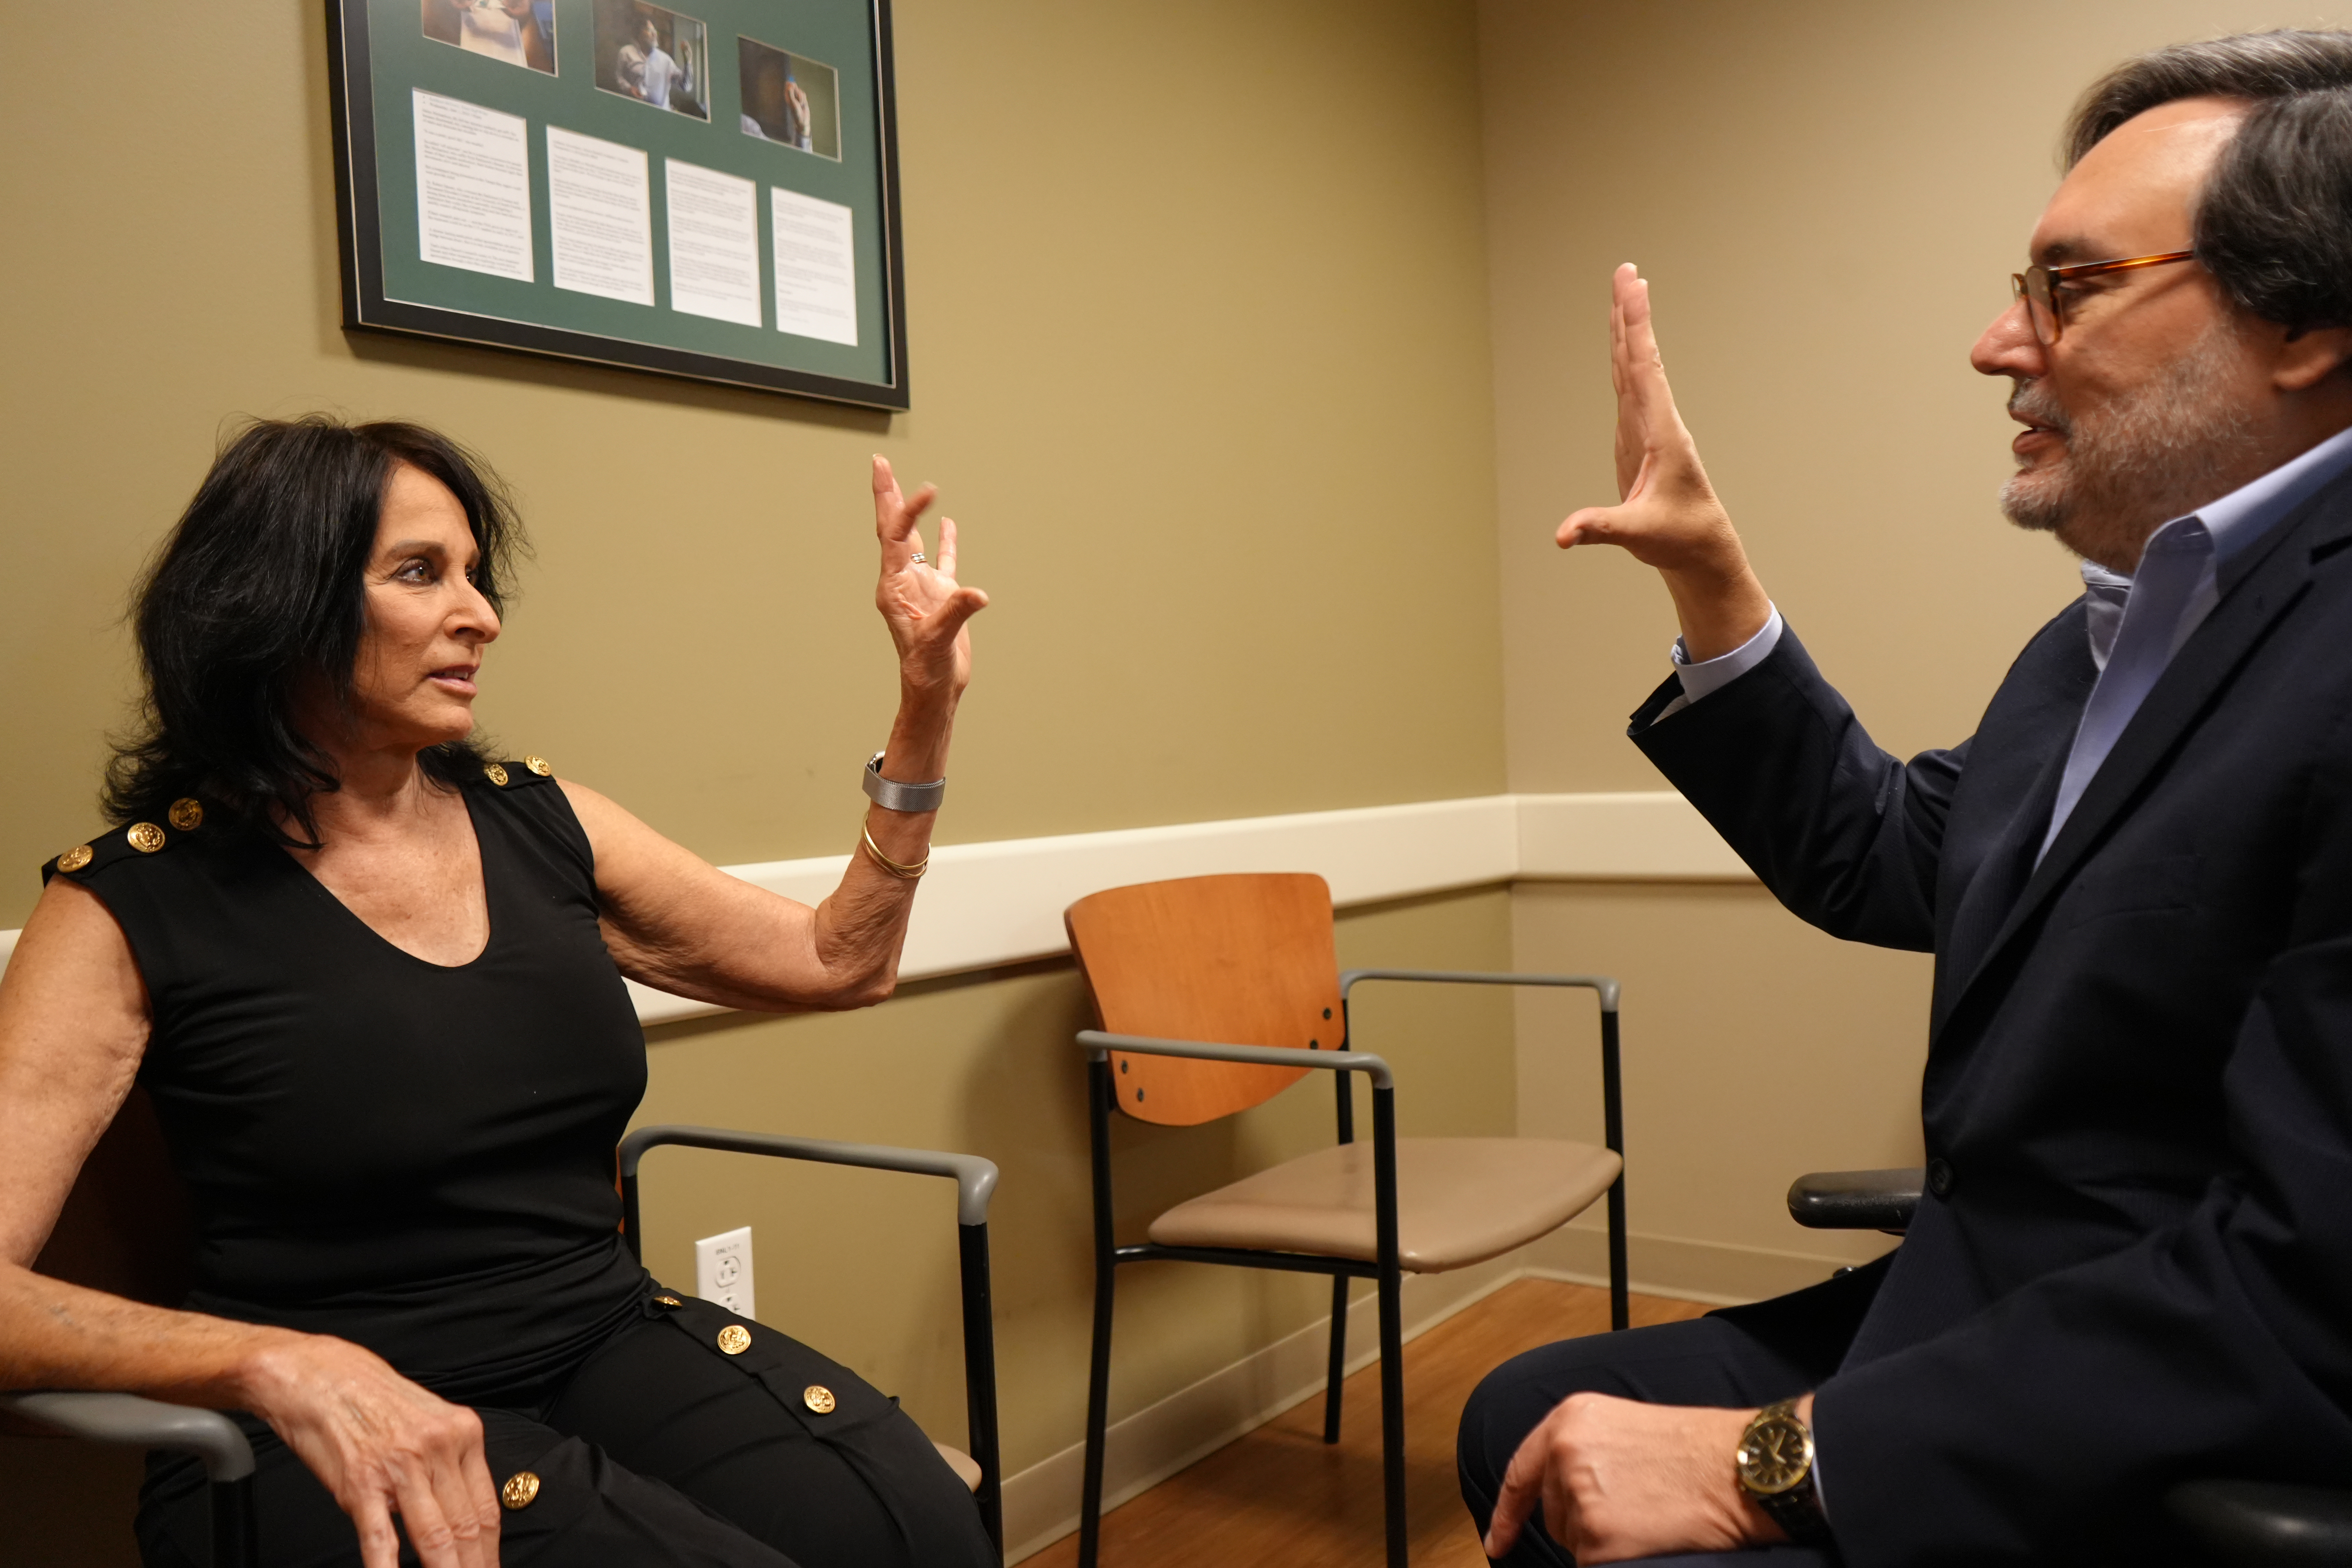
[2037,286]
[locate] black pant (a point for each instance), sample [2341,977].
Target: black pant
[660,1451]
[1739,1357]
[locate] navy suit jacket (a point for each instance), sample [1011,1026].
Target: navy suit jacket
[2134,1265]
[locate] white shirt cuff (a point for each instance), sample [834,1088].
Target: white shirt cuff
[1712,675]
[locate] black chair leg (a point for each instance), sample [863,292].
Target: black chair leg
[1098,1093]
[1336,1379]
[1391,1287]
[1098,1422]
[235,1542]
[980,1379]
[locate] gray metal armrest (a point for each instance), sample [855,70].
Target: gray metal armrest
[135,1421]
[1613,1089]
[1099,1045]
[1856,1200]
[1601,983]
[2260,1524]
[975,1178]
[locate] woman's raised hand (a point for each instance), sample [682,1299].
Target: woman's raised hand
[1667,515]
[925,606]
[382,1446]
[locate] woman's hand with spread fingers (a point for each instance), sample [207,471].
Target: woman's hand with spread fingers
[924,605]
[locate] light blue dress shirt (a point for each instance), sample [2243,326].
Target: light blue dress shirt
[2135,624]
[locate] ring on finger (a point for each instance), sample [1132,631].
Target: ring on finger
[917,559]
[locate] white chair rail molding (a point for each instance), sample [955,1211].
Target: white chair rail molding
[1001,902]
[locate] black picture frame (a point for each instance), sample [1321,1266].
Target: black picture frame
[369,307]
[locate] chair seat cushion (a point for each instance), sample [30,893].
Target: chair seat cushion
[1459,1201]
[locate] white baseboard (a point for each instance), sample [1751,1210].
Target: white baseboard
[1719,1273]
[1001,902]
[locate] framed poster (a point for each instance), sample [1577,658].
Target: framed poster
[708,189]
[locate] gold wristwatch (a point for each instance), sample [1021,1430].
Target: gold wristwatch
[1774,1463]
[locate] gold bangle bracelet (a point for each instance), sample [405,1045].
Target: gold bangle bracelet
[905,873]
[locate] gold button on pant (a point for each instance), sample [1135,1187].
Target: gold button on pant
[520,1488]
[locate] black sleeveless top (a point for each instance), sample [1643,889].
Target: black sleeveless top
[414,1157]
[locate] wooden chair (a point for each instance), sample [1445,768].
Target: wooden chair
[1214,995]
[126,1230]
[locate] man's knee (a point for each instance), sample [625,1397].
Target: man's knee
[1512,1400]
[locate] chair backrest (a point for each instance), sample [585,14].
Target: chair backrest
[125,1227]
[1236,960]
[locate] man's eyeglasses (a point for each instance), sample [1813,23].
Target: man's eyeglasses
[2038,287]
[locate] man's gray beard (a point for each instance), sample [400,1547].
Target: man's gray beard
[2159,452]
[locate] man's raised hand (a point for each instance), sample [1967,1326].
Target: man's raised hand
[1667,515]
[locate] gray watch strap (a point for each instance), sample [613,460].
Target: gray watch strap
[892,795]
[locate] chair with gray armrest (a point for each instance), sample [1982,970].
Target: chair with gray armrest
[125,1229]
[975,1181]
[2243,1524]
[1216,994]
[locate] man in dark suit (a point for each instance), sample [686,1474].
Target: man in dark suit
[2133,1264]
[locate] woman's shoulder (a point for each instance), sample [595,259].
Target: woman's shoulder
[517,776]
[130,843]
[528,792]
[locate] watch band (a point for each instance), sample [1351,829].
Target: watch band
[1798,1511]
[1795,1506]
[892,795]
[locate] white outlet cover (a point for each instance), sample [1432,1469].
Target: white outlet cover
[722,1271]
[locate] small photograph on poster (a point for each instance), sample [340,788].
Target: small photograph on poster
[519,32]
[654,55]
[790,98]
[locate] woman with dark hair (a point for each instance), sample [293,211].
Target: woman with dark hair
[371,981]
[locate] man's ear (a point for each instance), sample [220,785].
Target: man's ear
[2310,356]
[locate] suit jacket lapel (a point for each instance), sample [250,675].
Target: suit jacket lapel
[1979,923]
[2259,588]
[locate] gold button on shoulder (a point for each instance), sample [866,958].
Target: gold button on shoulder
[496,772]
[818,1397]
[734,1338]
[186,814]
[75,859]
[665,1299]
[145,838]
[521,1487]
[539,765]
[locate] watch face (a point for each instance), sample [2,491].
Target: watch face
[1775,1455]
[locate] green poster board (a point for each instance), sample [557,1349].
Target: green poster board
[706,190]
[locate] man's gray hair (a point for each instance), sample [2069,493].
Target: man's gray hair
[2274,224]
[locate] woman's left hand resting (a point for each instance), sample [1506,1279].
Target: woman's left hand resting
[675,923]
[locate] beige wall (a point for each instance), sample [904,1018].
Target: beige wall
[1212,409]
[1197,313]
[1828,198]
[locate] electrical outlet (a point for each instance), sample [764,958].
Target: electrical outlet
[722,1271]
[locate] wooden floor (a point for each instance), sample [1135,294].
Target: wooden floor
[1280,1496]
